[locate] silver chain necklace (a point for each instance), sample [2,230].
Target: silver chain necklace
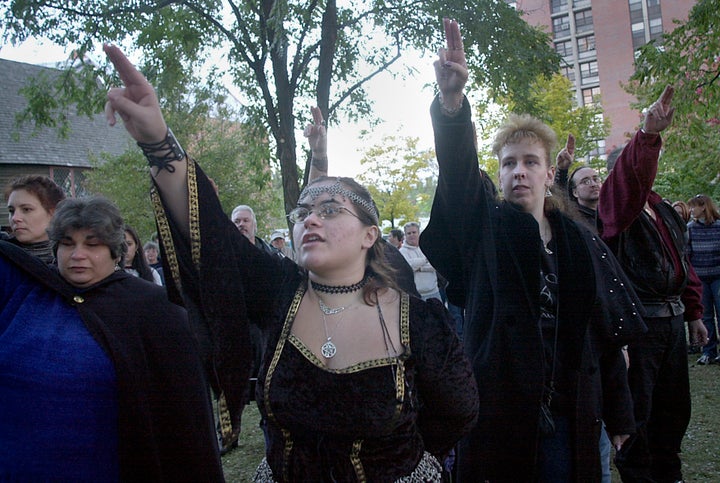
[329,310]
[329,349]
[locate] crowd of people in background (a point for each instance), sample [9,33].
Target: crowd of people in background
[515,338]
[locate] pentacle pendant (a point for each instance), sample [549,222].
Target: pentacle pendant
[328,349]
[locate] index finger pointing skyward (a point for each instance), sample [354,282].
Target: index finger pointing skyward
[570,145]
[125,69]
[667,95]
[452,34]
[317,115]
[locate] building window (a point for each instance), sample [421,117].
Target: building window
[636,16]
[568,72]
[656,28]
[638,35]
[561,26]
[583,21]
[564,48]
[645,20]
[586,45]
[71,180]
[591,96]
[588,70]
[558,6]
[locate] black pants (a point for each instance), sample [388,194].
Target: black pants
[660,387]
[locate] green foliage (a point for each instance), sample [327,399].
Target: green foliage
[225,153]
[689,59]
[394,177]
[558,108]
[125,180]
[555,104]
[284,56]
[52,95]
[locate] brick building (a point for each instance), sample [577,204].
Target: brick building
[597,40]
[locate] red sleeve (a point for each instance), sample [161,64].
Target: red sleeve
[628,185]
[692,296]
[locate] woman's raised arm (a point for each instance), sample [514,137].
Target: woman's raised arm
[138,106]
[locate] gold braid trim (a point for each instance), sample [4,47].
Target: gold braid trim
[405,341]
[194,222]
[359,367]
[194,213]
[289,318]
[166,236]
[405,322]
[355,460]
[226,429]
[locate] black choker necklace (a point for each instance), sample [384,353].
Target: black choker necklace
[318,287]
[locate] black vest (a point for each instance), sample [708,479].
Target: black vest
[648,262]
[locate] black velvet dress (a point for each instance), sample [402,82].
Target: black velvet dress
[369,422]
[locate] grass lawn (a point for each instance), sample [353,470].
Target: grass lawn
[701,456]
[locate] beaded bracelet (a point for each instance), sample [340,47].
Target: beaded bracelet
[171,152]
[449,112]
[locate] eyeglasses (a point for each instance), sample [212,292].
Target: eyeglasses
[591,180]
[324,212]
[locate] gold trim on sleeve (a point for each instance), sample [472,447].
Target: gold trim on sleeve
[356,462]
[194,213]
[271,371]
[166,237]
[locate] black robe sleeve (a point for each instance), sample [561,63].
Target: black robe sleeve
[447,389]
[461,208]
[226,283]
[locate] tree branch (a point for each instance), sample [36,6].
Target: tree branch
[365,79]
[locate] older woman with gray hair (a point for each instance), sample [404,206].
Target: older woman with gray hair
[99,372]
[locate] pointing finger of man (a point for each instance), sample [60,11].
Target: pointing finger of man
[570,145]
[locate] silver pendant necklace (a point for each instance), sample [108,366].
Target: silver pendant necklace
[548,236]
[329,349]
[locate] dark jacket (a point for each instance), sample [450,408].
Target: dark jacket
[651,253]
[654,276]
[490,253]
[165,422]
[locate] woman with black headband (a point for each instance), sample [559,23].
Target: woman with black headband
[359,381]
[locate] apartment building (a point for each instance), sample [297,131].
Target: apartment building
[597,40]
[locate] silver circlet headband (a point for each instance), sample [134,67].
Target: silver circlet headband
[337,189]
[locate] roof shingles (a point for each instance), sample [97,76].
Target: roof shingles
[89,137]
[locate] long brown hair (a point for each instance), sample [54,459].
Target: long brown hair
[684,211]
[710,211]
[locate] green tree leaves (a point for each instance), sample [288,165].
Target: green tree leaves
[395,174]
[286,55]
[689,59]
